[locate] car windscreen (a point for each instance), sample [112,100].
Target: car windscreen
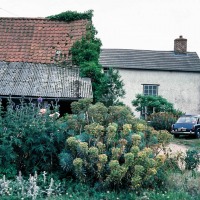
[187,119]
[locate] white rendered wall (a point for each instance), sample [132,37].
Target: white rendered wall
[180,88]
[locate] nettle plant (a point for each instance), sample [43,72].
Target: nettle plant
[110,147]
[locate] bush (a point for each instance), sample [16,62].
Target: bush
[29,141]
[163,120]
[192,159]
[112,149]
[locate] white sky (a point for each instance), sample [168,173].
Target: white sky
[125,24]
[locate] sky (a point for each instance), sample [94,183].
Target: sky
[124,24]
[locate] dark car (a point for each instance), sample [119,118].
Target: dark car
[187,125]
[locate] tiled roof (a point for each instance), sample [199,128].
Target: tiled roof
[46,80]
[38,40]
[149,60]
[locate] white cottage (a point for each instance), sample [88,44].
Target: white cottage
[175,75]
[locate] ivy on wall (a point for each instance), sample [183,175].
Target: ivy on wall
[85,54]
[72,16]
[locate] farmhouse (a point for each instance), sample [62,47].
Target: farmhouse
[32,53]
[175,75]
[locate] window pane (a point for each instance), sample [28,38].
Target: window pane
[150,90]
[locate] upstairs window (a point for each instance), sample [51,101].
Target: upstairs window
[150,89]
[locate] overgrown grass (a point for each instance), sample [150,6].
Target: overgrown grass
[180,186]
[188,141]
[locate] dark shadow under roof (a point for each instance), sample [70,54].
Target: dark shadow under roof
[53,81]
[149,60]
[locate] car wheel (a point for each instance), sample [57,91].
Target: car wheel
[176,135]
[197,134]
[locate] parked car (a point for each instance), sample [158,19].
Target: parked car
[187,125]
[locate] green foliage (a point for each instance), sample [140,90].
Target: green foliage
[116,151]
[192,159]
[159,103]
[72,16]
[180,186]
[163,120]
[188,182]
[107,87]
[85,52]
[149,104]
[29,140]
[112,88]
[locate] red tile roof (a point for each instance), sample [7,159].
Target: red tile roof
[38,40]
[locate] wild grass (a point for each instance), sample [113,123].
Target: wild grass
[179,186]
[188,141]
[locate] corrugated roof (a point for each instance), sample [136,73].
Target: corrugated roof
[149,60]
[46,80]
[38,40]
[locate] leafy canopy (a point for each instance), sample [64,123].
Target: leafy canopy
[152,103]
[72,16]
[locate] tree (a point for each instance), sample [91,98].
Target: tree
[107,87]
[152,104]
[113,88]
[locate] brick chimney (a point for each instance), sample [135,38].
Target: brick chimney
[180,45]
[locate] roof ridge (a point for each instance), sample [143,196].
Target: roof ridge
[150,50]
[23,18]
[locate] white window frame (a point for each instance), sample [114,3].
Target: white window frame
[150,89]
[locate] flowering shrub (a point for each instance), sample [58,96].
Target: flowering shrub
[113,149]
